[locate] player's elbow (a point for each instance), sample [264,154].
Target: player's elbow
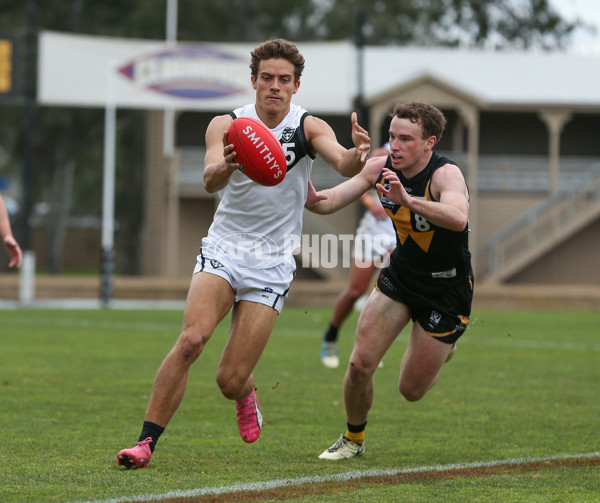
[458,223]
[211,184]
[319,209]
[461,225]
[350,169]
[208,187]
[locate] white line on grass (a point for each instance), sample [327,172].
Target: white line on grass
[341,477]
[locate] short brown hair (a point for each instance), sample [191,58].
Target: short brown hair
[277,48]
[431,121]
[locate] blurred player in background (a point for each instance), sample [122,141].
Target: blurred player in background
[375,238]
[429,279]
[254,290]
[10,243]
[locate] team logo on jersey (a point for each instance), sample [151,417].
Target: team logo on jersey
[288,134]
[294,146]
[386,203]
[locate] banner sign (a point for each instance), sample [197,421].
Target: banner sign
[76,70]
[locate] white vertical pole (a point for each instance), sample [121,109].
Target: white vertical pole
[171,20]
[169,122]
[108,187]
[172,245]
[27,278]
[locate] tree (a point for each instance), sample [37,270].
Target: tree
[496,24]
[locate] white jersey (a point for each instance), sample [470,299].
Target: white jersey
[258,226]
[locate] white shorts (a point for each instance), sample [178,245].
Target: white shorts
[374,238]
[265,286]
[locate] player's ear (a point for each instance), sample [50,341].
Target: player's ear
[430,142]
[253,80]
[296,86]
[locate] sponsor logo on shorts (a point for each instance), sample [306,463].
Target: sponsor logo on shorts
[216,264]
[387,282]
[434,319]
[451,273]
[268,289]
[459,328]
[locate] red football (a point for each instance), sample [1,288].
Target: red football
[258,151]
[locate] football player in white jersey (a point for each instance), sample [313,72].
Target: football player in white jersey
[244,265]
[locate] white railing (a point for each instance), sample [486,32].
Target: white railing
[541,227]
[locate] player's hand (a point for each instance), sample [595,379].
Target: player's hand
[14,251]
[360,138]
[313,197]
[396,191]
[229,154]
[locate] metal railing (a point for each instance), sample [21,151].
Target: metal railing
[542,227]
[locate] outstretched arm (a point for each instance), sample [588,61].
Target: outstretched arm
[331,200]
[323,141]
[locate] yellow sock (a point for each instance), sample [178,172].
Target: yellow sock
[359,438]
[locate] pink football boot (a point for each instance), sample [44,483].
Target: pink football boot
[249,417]
[136,457]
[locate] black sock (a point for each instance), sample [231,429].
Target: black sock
[152,430]
[356,428]
[331,335]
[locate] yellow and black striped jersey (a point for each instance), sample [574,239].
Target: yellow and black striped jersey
[424,251]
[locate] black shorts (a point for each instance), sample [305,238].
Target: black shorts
[441,308]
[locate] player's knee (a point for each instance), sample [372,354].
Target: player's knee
[359,369]
[355,292]
[231,384]
[412,392]
[191,343]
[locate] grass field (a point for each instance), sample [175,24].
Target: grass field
[514,417]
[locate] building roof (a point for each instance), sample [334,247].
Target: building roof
[495,78]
